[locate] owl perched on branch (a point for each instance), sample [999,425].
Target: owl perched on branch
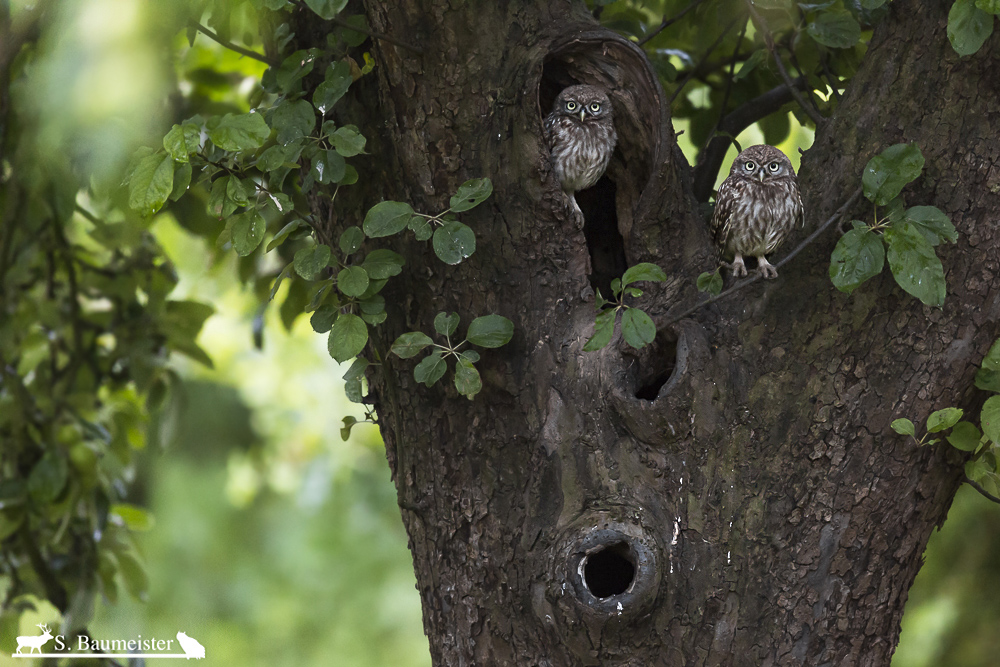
[757,205]
[580,133]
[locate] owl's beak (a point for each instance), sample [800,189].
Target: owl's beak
[760,175]
[582,114]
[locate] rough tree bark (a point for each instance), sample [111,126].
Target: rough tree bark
[732,494]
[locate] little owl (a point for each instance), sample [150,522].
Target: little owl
[581,135]
[757,205]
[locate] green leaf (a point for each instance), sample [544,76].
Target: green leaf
[373,305]
[285,272]
[309,261]
[278,156]
[932,223]
[286,77]
[236,192]
[968,27]
[357,369]
[942,420]
[637,328]
[446,324]
[467,380]
[150,183]
[988,380]
[351,239]
[992,359]
[643,271]
[383,263]
[756,58]
[248,232]
[430,369]
[135,518]
[409,344]
[240,132]
[421,227]
[182,180]
[328,167]
[347,337]
[348,141]
[327,9]
[903,427]
[471,194]
[965,436]
[887,173]
[710,282]
[858,256]
[182,140]
[835,28]
[490,331]
[453,242]
[914,265]
[324,317]
[345,431]
[293,120]
[338,80]
[989,6]
[471,355]
[387,218]
[280,237]
[48,478]
[604,328]
[990,418]
[352,281]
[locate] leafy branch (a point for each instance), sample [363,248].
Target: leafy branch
[982,470]
[638,328]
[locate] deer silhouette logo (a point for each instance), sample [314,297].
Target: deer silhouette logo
[192,647]
[35,643]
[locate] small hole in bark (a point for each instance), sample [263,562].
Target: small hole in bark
[656,365]
[610,570]
[605,243]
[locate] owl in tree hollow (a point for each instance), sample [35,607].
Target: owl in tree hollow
[757,205]
[580,133]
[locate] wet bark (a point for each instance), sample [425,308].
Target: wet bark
[731,494]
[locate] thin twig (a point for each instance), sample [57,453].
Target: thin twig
[729,83]
[708,52]
[769,42]
[839,213]
[986,494]
[232,47]
[669,22]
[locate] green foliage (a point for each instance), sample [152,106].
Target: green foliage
[488,331]
[984,465]
[905,237]
[638,328]
[970,24]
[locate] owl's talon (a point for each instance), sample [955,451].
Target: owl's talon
[739,269]
[767,270]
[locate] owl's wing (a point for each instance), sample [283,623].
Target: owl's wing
[722,217]
[549,130]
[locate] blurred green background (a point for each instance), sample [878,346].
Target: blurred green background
[274,541]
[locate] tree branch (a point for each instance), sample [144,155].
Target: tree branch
[769,42]
[837,215]
[667,22]
[232,47]
[986,494]
[735,122]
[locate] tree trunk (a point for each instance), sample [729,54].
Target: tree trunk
[731,494]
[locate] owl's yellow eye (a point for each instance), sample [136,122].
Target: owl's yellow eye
[571,106]
[750,166]
[773,166]
[595,107]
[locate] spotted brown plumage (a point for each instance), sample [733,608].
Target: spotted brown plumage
[580,133]
[757,205]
